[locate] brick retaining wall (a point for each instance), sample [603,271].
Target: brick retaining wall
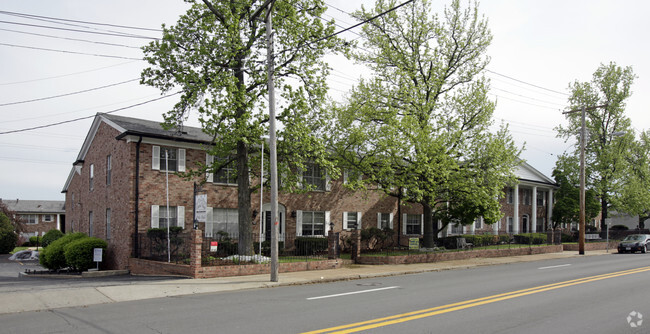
[591,246]
[462,255]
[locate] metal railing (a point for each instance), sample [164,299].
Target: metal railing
[154,247]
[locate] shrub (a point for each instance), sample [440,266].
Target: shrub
[310,246]
[530,238]
[568,237]
[53,257]
[35,241]
[619,228]
[375,238]
[158,237]
[50,236]
[8,238]
[79,253]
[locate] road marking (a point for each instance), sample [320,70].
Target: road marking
[404,317]
[558,266]
[353,293]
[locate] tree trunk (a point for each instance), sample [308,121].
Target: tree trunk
[428,241]
[245,246]
[603,211]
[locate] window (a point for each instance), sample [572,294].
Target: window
[30,219]
[384,220]
[351,220]
[351,175]
[108,224]
[90,224]
[456,228]
[313,223]
[478,223]
[109,168]
[168,159]
[227,174]
[159,216]
[510,224]
[541,198]
[92,176]
[526,196]
[48,218]
[222,220]
[313,178]
[72,202]
[510,195]
[413,224]
[540,224]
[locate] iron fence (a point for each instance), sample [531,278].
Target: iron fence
[223,250]
[154,246]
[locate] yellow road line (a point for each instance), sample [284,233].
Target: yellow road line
[404,317]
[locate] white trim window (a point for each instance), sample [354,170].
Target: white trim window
[510,195]
[351,220]
[222,220]
[526,193]
[109,169]
[478,223]
[48,218]
[159,216]
[541,197]
[30,219]
[312,223]
[384,220]
[108,224]
[176,159]
[511,224]
[91,177]
[456,228]
[90,224]
[413,224]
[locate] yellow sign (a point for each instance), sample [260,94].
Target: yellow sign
[414,243]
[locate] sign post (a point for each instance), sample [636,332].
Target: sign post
[97,256]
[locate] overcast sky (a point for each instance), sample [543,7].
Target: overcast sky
[539,47]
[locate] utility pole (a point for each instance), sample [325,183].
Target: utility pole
[583,140]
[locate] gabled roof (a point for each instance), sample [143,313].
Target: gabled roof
[127,126]
[527,173]
[35,206]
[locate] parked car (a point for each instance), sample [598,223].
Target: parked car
[633,243]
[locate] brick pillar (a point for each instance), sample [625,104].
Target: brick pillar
[356,245]
[332,245]
[196,242]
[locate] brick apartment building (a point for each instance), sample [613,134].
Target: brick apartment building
[38,217]
[117,188]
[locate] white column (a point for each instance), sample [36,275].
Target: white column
[533,218]
[472,229]
[58,222]
[495,226]
[549,206]
[515,218]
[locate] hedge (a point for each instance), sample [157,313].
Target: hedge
[79,253]
[50,237]
[530,238]
[53,257]
[8,238]
[310,246]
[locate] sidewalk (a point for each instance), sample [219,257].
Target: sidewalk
[12,302]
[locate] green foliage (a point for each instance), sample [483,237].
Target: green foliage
[215,55]
[634,197]
[79,253]
[530,238]
[420,126]
[606,154]
[306,246]
[53,257]
[619,228]
[51,236]
[566,209]
[376,238]
[158,237]
[8,237]
[35,240]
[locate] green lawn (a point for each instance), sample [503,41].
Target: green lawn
[18,249]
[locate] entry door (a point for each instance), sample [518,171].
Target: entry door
[524,223]
[267,225]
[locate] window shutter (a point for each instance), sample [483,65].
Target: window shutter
[390,220]
[155,159]
[404,223]
[209,223]
[181,159]
[328,184]
[379,220]
[180,219]
[154,216]
[327,222]
[299,222]
[345,220]
[359,220]
[209,159]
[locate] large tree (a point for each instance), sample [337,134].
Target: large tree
[634,197]
[216,56]
[608,129]
[419,127]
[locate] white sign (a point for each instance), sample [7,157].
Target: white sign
[201,207]
[97,254]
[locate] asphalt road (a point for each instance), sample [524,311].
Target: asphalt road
[574,295]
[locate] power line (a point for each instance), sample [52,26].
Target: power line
[64,75]
[67,94]
[87,117]
[526,83]
[70,52]
[76,21]
[70,39]
[80,31]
